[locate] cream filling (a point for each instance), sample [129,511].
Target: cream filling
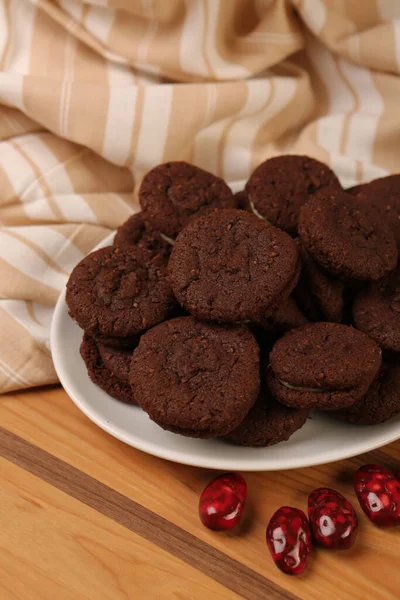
[303,389]
[166,238]
[255,211]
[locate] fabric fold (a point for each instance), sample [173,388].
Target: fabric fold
[94,94]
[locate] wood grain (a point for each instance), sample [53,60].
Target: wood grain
[53,547]
[49,420]
[138,519]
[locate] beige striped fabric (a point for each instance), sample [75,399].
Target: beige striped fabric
[94,94]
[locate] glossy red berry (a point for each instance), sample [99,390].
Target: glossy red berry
[222,502]
[378,492]
[333,520]
[289,540]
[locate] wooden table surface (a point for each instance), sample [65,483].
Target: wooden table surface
[84,516]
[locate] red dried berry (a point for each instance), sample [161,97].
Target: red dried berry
[222,502]
[333,520]
[289,540]
[378,492]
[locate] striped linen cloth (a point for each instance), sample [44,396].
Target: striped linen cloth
[94,94]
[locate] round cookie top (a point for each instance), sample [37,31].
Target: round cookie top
[319,295]
[196,376]
[380,403]
[134,232]
[268,423]
[117,361]
[326,356]
[101,375]
[174,193]
[384,193]
[347,237]
[376,311]
[231,266]
[119,292]
[280,186]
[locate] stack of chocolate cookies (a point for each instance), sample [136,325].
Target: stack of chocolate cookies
[233,316]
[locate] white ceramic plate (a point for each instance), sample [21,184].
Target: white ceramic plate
[320,441]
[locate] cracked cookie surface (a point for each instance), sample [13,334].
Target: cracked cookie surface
[280,186]
[174,193]
[115,294]
[231,266]
[196,377]
[348,238]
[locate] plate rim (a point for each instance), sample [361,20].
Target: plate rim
[173,455]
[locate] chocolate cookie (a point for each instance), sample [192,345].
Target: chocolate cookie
[384,193]
[173,194]
[117,361]
[319,295]
[116,293]
[286,317]
[102,375]
[354,189]
[280,186]
[134,232]
[196,378]
[347,237]
[268,423]
[323,365]
[376,311]
[380,403]
[231,266]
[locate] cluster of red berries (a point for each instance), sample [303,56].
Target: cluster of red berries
[332,521]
